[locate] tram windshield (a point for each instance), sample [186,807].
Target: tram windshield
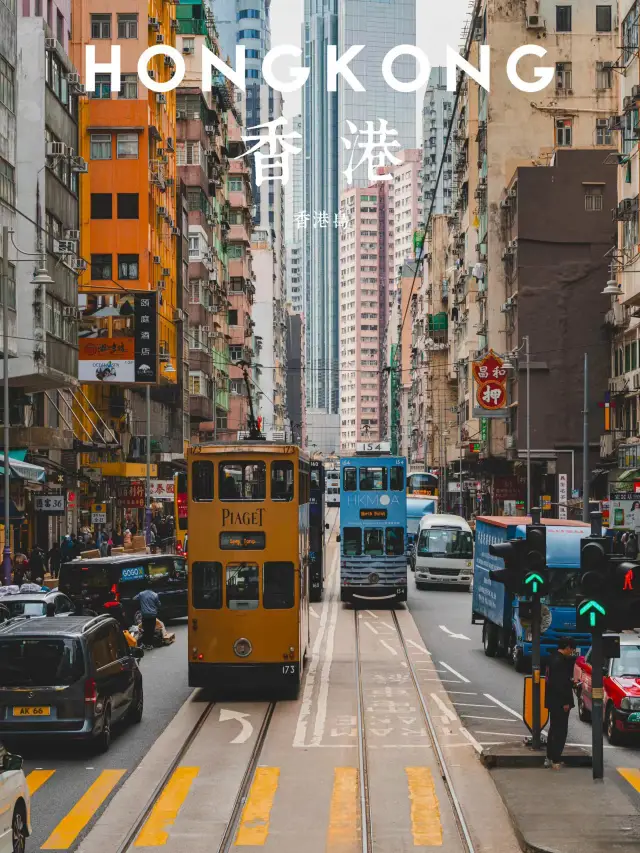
[242,586]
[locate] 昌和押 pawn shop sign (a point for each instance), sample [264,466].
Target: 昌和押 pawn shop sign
[490,377]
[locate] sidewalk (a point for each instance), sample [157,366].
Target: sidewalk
[567,812]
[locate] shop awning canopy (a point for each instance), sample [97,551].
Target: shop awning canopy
[629,474]
[14,513]
[21,469]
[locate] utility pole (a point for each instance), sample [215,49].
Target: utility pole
[148,483]
[585,444]
[527,354]
[6,555]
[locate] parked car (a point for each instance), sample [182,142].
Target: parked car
[15,804]
[71,676]
[621,682]
[35,603]
[109,584]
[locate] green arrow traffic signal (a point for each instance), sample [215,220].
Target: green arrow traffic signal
[590,607]
[535,580]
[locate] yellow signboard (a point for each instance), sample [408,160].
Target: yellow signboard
[98,507]
[546,503]
[527,703]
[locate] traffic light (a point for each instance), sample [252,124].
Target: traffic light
[592,609]
[536,574]
[624,594]
[512,552]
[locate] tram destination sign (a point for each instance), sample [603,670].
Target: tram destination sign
[373,513]
[242,541]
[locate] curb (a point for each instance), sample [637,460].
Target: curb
[525,757]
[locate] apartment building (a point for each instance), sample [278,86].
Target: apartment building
[202,129]
[437,108]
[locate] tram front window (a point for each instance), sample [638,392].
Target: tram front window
[395,541]
[352,542]
[279,586]
[373,479]
[282,481]
[243,481]
[206,580]
[242,586]
[373,542]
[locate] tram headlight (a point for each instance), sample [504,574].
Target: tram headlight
[374,578]
[242,647]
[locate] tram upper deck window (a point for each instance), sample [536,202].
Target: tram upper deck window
[315,478]
[396,476]
[352,542]
[207,585]
[373,542]
[202,480]
[282,481]
[350,481]
[243,481]
[394,537]
[373,479]
[278,586]
[242,586]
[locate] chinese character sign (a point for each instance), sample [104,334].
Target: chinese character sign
[146,337]
[49,504]
[491,387]
[272,164]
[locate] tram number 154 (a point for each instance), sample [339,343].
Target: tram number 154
[288,669]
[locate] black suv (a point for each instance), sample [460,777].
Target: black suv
[69,676]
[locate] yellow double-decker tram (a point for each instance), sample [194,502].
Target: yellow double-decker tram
[248,565]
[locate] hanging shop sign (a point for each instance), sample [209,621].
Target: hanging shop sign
[161,490]
[130,495]
[49,504]
[490,377]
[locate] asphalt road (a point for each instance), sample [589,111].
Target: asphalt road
[68,801]
[487,692]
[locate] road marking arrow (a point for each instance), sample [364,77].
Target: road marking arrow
[452,635]
[247,728]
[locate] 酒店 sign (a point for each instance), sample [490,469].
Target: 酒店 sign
[49,504]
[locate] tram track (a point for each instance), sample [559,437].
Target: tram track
[367,837]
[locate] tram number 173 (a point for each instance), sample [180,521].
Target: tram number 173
[289,669]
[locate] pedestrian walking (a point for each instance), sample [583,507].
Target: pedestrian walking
[559,699]
[631,548]
[149,606]
[36,562]
[54,558]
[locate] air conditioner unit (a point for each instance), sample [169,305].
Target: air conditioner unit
[174,24]
[161,98]
[175,232]
[73,78]
[159,39]
[168,61]
[160,152]
[505,203]
[80,89]
[506,253]
[156,259]
[509,442]
[608,66]
[504,308]
[535,22]
[70,311]
[72,234]
[179,316]
[64,247]
[160,285]
[78,264]
[151,73]
[188,50]
[165,272]
[56,149]
[50,44]
[204,329]
[614,122]
[154,23]
[170,146]
[513,244]
[80,165]
[162,211]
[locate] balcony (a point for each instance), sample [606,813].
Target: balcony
[238,234]
[200,407]
[609,442]
[199,359]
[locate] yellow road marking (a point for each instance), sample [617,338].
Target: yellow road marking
[75,821]
[37,778]
[632,775]
[254,825]
[425,810]
[344,817]
[155,833]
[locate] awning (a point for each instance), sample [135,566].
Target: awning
[629,474]
[24,470]
[14,513]
[134,470]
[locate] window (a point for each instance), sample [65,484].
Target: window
[235,352]
[252,53]
[127,146]
[100,146]
[373,479]
[127,26]
[235,185]
[101,267]
[103,649]
[103,87]
[233,317]
[394,541]
[282,481]
[202,481]
[373,542]
[252,74]
[396,477]
[563,19]
[630,34]
[101,206]
[278,586]
[248,13]
[604,76]
[352,541]
[7,182]
[194,246]
[563,76]
[101,26]
[235,253]
[563,132]
[60,28]
[248,34]
[349,480]
[129,88]
[206,579]
[243,587]
[593,198]
[127,205]
[243,481]
[236,386]
[188,45]
[7,85]
[603,19]
[128,267]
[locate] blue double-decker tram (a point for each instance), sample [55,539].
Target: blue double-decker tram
[373,525]
[316,531]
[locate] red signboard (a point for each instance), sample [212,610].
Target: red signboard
[491,383]
[131,495]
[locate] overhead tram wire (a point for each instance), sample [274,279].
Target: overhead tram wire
[420,261]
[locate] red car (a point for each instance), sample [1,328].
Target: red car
[621,689]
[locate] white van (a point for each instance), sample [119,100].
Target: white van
[443,551]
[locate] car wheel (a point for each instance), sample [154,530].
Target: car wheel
[489,640]
[613,734]
[583,712]
[103,740]
[19,830]
[137,707]
[520,662]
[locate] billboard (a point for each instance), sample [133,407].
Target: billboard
[118,338]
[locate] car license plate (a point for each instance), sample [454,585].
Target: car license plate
[32,711]
[634,718]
